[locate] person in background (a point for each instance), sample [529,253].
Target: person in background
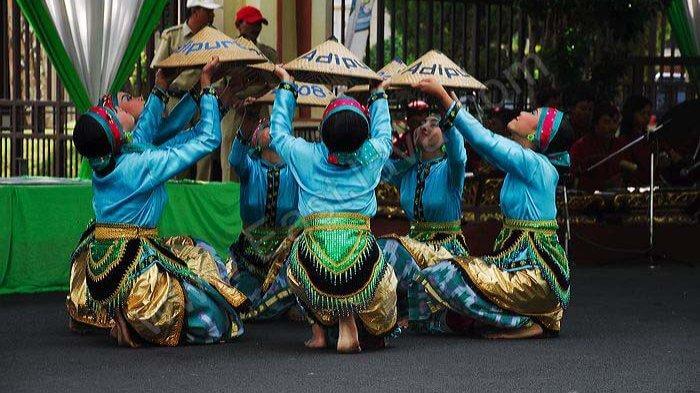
[416,113]
[595,146]
[636,115]
[249,22]
[200,13]
[579,103]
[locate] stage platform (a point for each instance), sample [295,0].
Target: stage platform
[628,329]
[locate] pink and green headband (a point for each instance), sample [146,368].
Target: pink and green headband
[344,104]
[547,128]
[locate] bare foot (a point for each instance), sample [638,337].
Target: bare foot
[531,331]
[120,332]
[348,341]
[318,337]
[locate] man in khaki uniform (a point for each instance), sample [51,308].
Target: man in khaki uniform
[249,21]
[200,15]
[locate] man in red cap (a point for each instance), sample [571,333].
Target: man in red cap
[249,21]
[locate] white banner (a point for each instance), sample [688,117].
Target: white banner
[95,34]
[357,28]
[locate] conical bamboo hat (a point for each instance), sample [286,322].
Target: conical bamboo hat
[385,73]
[436,64]
[309,95]
[330,64]
[210,42]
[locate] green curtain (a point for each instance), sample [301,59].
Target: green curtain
[148,18]
[684,35]
[39,19]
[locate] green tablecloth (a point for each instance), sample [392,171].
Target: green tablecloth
[41,225]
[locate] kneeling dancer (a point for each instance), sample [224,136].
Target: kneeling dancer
[146,288]
[521,289]
[336,268]
[268,205]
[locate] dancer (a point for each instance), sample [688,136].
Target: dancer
[268,203]
[163,291]
[430,189]
[523,287]
[335,267]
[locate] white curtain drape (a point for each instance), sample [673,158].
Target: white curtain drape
[95,34]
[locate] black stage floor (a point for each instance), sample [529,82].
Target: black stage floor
[629,328]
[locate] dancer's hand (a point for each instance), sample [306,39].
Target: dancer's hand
[432,87]
[209,72]
[282,74]
[164,77]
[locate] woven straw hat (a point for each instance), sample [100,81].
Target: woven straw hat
[330,64]
[309,95]
[385,73]
[436,64]
[210,42]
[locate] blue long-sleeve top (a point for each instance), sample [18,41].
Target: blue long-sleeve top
[134,191]
[431,190]
[325,187]
[529,188]
[177,119]
[269,193]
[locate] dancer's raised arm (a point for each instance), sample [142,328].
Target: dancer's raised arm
[508,155]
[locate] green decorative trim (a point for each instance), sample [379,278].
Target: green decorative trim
[450,116]
[524,243]
[532,226]
[289,86]
[338,249]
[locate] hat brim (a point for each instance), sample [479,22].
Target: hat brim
[261,20]
[209,6]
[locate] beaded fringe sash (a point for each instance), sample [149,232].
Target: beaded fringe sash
[522,243]
[338,262]
[117,257]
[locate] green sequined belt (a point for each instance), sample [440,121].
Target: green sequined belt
[427,231]
[543,226]
[337,262]
[521,243]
